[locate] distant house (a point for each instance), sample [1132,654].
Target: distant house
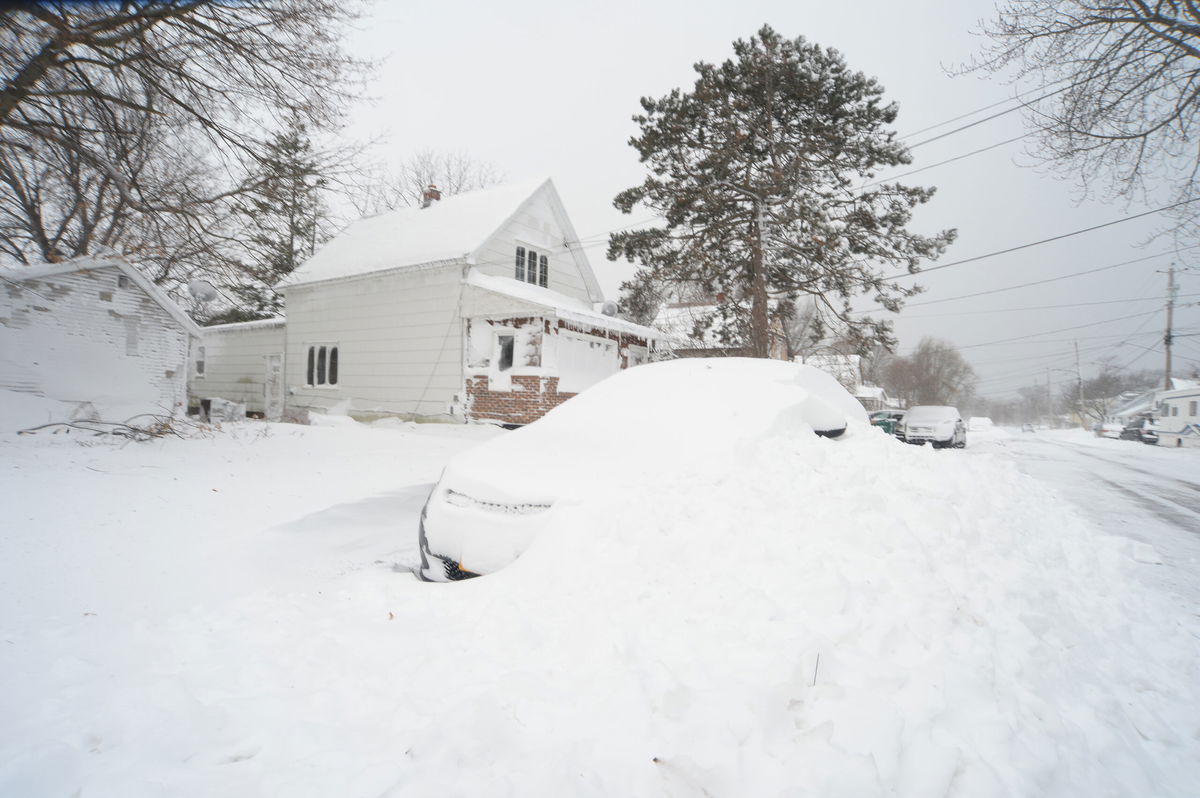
[96,333]
[692,329]
[477,307]
[1179,414]
[847,370]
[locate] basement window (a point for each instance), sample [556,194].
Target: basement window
[322,365]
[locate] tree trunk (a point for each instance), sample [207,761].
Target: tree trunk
[760,322]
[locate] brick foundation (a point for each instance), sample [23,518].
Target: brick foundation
[531,398]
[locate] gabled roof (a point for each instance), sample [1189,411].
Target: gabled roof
[89,263]
[563,307]
[454,228]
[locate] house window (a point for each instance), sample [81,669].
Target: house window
[1192,408]
[532,266]
[504,359]
[1174,410]
[199,361]
[122,281]
[322,365]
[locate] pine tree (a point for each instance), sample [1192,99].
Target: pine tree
[283,220]
[753,172]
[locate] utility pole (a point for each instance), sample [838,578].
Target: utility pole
[1170,315]
[1079,383]
[1049,399]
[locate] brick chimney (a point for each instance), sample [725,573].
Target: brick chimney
[430,196]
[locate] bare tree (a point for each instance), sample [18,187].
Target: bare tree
[382,189]
[130,125]
[1120,105]
[934,374]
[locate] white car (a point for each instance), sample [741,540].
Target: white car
[939,425]
[494,500]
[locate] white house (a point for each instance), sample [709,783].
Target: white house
[94,333]
[476,307]
[242,363]
[1179,415]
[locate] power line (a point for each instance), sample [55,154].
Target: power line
[1045,307]
[1059,237]
[939,163]
[1061,329]
[988,107]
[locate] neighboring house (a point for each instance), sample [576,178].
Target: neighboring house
[1179,416]
[242,363]
[847,370]
[96,333]
[1131,405]
[478,307]
[875,398]
[692,329]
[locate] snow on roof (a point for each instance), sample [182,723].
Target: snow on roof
[448,229]
[246,325]
[564,307]
[87,263]
[869,392]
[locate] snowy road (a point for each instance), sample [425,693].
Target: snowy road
[1145,493]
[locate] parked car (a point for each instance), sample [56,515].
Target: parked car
[1108,429]
[979,422]
[1027,427]
[888,420]
[493,501]
[1143,429]
[939,425]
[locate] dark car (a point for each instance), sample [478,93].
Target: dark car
[888,420]
[1141,429]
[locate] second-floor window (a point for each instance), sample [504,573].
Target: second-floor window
[532,266]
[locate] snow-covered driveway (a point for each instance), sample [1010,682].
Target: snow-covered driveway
[230,615]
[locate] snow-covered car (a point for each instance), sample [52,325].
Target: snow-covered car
[939,425]
[1109,429]
[493,501]
[1027,427]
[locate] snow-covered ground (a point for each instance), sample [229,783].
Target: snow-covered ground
[230,614]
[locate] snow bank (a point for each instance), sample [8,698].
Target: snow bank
[805,616]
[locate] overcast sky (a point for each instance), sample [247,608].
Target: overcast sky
[547,88]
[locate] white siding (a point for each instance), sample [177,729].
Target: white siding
[235,363]
[399,339]
[534,226]
[82,337]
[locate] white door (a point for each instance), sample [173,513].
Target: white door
[273,388]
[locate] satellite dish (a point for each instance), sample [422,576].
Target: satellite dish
[609,308]
[202,290]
